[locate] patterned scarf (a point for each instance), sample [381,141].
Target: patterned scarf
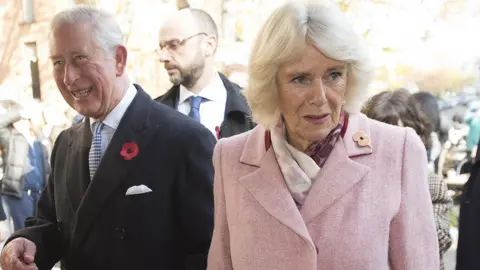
[298,168]
[320,151]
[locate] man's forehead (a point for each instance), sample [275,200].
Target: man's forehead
[72,29]
[175,32]
[178,27]
[61,47]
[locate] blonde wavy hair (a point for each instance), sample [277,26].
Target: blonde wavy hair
[285,36]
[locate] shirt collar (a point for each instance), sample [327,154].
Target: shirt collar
[113,118]
[214,91]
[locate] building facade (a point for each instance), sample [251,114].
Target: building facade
[25,70]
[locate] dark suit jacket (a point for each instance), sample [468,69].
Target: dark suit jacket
[468,249]
[237,117]
[94,225]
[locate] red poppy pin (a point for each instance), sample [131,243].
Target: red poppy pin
[217,131]
[129,150]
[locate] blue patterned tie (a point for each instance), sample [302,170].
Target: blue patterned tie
[195,107]
[95,154]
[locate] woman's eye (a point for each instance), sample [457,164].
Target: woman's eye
[301,80]
[335,76]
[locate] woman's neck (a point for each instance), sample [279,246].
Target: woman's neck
[299,143]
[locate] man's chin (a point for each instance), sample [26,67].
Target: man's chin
[176,80]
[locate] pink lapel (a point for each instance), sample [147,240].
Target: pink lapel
[267,185]
[340,173]
[338,176]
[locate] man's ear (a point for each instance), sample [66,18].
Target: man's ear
[120,60]
[211,46]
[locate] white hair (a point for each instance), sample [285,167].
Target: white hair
[105,29]
[285,36]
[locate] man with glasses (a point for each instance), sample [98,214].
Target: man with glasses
[187,46]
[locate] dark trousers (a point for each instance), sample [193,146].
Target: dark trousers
[21,209]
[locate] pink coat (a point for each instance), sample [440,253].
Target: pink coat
[369,207]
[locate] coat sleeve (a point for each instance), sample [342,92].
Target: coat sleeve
[413,238]
[43,229]
[441,208]
[195,199]
[219,256]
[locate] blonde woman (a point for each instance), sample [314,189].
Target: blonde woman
[316,185]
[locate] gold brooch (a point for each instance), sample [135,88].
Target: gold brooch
[361,138]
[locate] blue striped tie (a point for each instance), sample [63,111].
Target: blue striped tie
[195,102]
[95,154]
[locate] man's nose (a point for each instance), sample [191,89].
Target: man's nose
[71,75]
[163,55]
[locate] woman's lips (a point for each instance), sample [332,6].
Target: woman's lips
[317,119]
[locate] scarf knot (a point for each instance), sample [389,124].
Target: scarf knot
[300,169]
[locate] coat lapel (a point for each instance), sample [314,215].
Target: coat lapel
[340,172]
[113,169]
[337,177]
[171,97]
[236,102]
[78,178]
[267,185]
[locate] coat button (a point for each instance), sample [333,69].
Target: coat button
[59,226]
[120,233]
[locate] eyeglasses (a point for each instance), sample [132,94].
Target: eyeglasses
[172,45]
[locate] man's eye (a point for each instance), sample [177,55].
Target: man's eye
[173,45]
[80,57]
[57,63]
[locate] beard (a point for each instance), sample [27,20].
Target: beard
[189,75]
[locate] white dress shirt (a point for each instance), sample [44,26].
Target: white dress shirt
[212,109]
[113,118]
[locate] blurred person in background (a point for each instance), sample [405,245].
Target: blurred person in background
[473,122]
[5,229]
[188,43]
[317,185]
[26,166]
[457,118]
[399,108]
[439,125]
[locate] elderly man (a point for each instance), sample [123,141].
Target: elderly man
[131,185]
[188,42]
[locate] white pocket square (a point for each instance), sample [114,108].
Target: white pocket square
[135,190]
